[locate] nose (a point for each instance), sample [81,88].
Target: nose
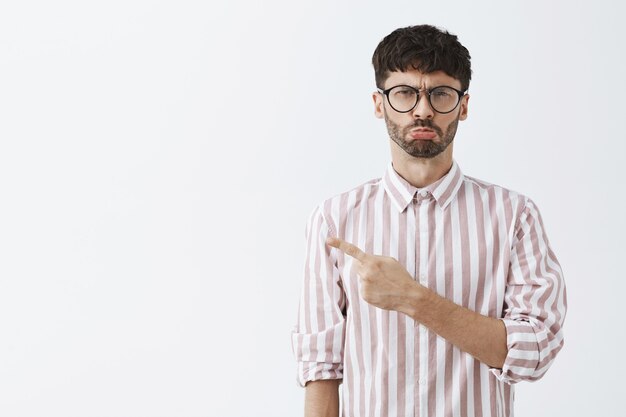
[422,109]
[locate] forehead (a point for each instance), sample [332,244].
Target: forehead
[421,80]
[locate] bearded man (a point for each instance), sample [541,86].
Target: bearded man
[426,292]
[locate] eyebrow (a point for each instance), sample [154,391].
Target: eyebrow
[421,89]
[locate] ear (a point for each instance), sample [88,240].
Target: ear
[464,105]
[379,102]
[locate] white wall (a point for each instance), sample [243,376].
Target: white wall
[158,161]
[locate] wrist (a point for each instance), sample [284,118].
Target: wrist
[416,300]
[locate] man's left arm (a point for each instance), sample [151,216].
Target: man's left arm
[519,346]
[535,302]
[386,284]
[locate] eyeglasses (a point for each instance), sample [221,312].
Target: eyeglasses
[404,98]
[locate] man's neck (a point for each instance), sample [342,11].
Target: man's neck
[421,172]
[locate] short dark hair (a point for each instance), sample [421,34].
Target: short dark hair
[426,49]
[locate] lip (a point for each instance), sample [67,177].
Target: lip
[423,133]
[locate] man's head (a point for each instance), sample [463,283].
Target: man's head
[422,57]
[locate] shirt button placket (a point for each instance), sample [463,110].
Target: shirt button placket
[421,363]
[417,390]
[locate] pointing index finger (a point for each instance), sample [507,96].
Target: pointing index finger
[347,248]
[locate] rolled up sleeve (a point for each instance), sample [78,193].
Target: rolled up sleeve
[534,302]
[318,337]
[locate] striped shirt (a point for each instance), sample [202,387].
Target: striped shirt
[478,244]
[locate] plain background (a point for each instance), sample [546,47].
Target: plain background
[159,159]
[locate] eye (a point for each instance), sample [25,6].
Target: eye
[404,92]
[441,93]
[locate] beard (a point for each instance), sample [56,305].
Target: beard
[422,148]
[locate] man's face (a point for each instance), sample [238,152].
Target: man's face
[421,132]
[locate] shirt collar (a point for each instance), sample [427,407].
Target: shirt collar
[443,190]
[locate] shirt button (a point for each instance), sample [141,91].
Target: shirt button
[424,193]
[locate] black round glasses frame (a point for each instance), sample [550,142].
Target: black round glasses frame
[460,93]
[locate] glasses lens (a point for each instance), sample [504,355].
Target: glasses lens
[402,98]
[444,99]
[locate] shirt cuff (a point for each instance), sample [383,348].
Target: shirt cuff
[314,371]
[523,352]
[316,357]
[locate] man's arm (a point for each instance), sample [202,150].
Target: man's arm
[321,398]
[482,337]
[386,284]
[318,337]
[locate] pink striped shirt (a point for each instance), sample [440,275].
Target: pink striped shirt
[480,245]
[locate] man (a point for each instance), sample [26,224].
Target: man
[426,292]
